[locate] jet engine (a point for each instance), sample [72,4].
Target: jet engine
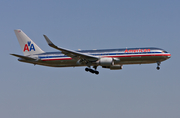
[113,67]
[106,61]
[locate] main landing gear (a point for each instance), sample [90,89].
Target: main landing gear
[158,64]
[92,71]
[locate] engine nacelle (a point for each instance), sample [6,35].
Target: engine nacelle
[114,67]
[106,61]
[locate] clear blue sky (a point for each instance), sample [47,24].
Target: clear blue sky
[136,91]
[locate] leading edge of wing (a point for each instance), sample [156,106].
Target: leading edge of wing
[68,52]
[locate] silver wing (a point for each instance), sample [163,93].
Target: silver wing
[72,53]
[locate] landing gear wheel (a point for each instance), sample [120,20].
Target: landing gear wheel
[158,68]
[86,69]
[96,72]
[92,71]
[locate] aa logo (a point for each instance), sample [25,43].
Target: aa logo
[29,46]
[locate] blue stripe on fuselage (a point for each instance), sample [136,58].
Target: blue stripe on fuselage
[60,55]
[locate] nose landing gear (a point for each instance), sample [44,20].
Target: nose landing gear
[92,71]
[158,64]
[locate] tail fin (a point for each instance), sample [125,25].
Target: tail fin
[27,45]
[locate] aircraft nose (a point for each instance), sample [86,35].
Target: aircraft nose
[169,55]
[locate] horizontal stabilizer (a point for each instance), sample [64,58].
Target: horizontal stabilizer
[23,57]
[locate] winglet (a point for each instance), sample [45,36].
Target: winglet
[48,40]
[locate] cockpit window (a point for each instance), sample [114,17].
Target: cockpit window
[164,51]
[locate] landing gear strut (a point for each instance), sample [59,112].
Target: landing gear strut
[158,64]
[92,71]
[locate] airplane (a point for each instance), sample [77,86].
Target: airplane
[112,59]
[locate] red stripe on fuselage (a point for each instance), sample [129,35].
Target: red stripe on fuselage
[56,59]
[144,55]
[138,55]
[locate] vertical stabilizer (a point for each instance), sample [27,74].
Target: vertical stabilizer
[27,45]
